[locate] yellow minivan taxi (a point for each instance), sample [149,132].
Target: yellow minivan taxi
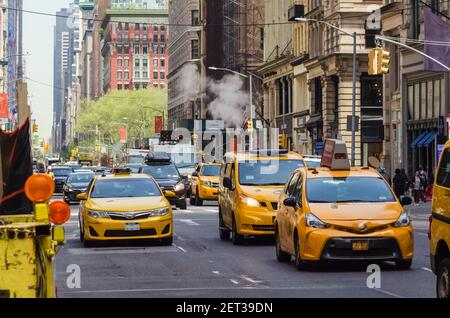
[250,184]
[440,225]
[205,183]
[124,206]
[342,213]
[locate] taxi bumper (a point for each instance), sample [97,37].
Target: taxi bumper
[334,245]
[107,229]
[207,193]
[255,221]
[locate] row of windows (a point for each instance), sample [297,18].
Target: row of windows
[137,74]
[137,26]
[125,38]
[139,86]
[138,62]
[141,49]
[426,99]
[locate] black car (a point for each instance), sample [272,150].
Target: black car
[60,174]
[75,184]
[161,168]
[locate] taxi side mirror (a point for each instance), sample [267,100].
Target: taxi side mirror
[227,182]
[290,201]
[82,196]
[405,200]
[195,174]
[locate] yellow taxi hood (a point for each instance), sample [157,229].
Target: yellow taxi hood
[210,178]
[332,212]
[127,204]
[262,193]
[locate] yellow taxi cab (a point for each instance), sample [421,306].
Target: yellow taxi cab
[250,184]
[340,213]
[205,183]
[439,232]
[124,206]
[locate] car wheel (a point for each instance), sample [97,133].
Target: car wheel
[224,233]
[167,240]
[299,263]
[282,256]
[182,205]
[403,264]
[81,233]
[236,238]
[191,200]
[443,279]
[198,201]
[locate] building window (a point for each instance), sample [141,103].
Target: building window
[119,49]
[425,99]
[155,28]
[136,63]
[136,49]
[136,74]
[127,63]
[163,38]
[127,75]
[145,62]
[127,49]
[119,75]
[162,50]
[119,62]
[155,38]
[372,96]
[162,75]
[163,63]
[163,28]
[195,49]
[155,63]
[145,74]
[155,49]
[195,17]
[144,49]
[136,27]
[155,75]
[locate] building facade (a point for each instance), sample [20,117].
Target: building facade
[417,102]
[184,61]
[134,52]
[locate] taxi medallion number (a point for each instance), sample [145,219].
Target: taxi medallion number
[360,246]
[132,227]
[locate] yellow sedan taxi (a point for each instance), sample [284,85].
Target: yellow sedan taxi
[250,184]
[205,183]
[340,213]
[124,206]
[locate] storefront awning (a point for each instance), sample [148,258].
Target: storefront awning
[427,140]
[418,139]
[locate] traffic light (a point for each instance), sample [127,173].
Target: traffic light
[250,125]
[282,141]
[373,61]
[35,128]
[383,61]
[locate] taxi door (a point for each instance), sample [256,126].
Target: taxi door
[225,200]
[194,180]
[295,214]
[285,234]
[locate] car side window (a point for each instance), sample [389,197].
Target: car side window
[233,170]
[443,174]
[291,185]
[299,190]
[89,187]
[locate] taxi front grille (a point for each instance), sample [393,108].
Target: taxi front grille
[123,233]
[215,184]
[274,205]
[378,249]
[129,216]
[356,231]
[264,228]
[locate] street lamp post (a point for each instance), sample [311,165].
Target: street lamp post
[353,35]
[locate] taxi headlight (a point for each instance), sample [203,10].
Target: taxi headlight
[179,186]
[403,220]
[207,184]
[249,201]
[98,214]
[314,222]
[160,212]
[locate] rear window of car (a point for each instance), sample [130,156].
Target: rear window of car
[443,175]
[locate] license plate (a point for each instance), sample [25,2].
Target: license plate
[132,227]
[360,246]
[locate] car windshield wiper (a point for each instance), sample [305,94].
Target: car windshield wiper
[356,200]
[321,201]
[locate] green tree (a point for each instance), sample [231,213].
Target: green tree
[100,121]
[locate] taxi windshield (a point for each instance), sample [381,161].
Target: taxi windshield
[211,171]
[350,189]
[125,188]
[80,178]
[267,172]
[312,163]
[161,172]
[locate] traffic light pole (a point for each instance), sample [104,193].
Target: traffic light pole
[354,101]
[382,38]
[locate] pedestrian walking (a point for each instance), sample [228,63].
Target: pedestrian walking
[417,188]
[398,183]
[424,182]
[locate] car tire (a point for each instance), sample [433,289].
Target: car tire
[443,279]
[191,200]
[182,205]
[403,264]
[87,243]
[282,256]
[198,201]
[167,241]
[236,238]
[81,234]
[299,263]
[224,233]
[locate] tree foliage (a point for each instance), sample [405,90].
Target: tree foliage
[102,119]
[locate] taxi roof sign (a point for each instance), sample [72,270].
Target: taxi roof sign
[335,155]
[121,170]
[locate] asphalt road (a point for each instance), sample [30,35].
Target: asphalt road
[199,264]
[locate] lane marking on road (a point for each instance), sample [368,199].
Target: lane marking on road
[128,250]
[422,234]
[251,280]
[234,281]
[426,269]
[179,237]
[216,272]
[387,293]
[188,222]
[180,248]
[183,211]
